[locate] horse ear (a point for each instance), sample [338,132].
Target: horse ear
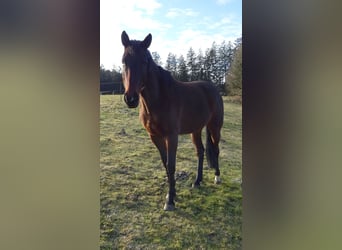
[125,39]
[147,41]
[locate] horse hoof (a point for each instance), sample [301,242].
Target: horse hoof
[169,207]
[167,197]
[196,185]
[217,179]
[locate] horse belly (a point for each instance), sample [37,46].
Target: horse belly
[190,128]
[193,121]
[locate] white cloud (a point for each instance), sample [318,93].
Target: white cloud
[134,16]
[139,18]
[175,12]
[195,38]
[148,6]
[221,24]
[223,2]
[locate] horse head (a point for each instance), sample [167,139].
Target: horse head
[135,61]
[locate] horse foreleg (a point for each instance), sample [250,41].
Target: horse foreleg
[171,146]
[160,143]
[197,140]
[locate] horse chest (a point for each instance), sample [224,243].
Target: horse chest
[155,124]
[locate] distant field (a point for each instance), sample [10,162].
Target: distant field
[134,185]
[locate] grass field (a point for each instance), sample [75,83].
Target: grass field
[134,185]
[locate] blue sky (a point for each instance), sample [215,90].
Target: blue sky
[175,25]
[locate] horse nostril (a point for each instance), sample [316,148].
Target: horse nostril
[131,101]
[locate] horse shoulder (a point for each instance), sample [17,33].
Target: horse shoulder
[154,121]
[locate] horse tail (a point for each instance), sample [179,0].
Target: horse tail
[209,150]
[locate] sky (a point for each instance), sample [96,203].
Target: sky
[175,25]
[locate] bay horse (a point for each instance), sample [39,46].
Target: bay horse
[169,107]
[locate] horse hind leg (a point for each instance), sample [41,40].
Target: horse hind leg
[212,151]
[197,140]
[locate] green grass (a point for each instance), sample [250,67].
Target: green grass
[134,185]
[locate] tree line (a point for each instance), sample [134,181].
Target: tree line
[221,64]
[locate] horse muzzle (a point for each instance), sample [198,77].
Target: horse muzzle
[132,101]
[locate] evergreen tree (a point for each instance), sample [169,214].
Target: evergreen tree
[171,64]
[234,75]
[113,75]
[200,65]
[207,65]
[224,58]
[116,75]
[156,58]
[105,74]
[212,65]
[182,74]
[191,64]
[217,78]
[238,42]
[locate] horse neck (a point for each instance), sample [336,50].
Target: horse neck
[153,85]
